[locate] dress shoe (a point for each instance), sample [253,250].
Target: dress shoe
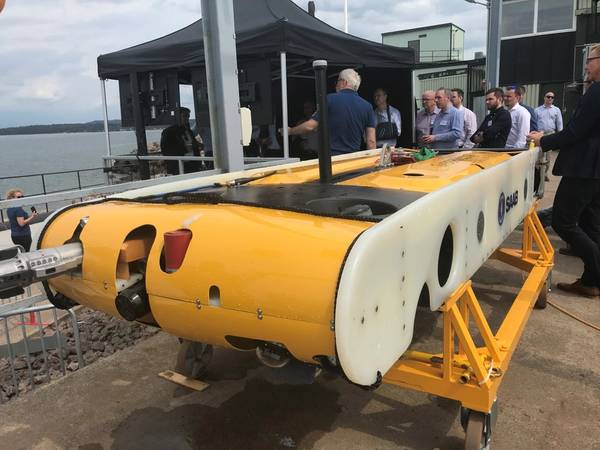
[578,288]
[568,251]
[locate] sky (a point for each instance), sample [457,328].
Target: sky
[48,48]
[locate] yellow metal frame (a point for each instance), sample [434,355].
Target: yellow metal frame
[463,371]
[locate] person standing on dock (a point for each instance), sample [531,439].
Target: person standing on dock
[426,115]
[520,117]
[470,119]
[389,120]
[179,140]
[493,131]
[576,208]
[549,116]
[448,126]
[20,232]
[351,117]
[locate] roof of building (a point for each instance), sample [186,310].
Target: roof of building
[429,27]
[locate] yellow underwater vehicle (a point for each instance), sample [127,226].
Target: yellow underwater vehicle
[279,262]
[274,260]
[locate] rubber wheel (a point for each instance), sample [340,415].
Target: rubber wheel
[541,301]
[193,359]
[474,439]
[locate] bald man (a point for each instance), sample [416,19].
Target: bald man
[426,116]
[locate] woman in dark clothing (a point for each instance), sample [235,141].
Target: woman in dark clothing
[20,233]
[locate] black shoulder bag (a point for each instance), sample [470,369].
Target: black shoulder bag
[386,130]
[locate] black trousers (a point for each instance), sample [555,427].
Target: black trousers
[24,241]
[576,219]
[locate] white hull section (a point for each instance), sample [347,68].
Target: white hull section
[391,262]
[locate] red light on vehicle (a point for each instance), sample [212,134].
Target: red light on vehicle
[176,245]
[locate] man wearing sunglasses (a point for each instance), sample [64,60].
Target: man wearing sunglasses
[549,116]
[576,209]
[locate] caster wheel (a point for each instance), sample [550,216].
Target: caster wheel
[193,359]
[541,301]
[475,437]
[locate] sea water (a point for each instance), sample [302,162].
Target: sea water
[23,158]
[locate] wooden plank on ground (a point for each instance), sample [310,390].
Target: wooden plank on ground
[183,380]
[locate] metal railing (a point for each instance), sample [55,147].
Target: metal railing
[111,189]
[28,359]
[182,159]
[438,55]
[45,180]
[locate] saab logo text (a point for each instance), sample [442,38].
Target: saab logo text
[505,204]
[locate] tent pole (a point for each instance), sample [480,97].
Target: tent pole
[284,106]
[108,163]
[222,81]
[345,16]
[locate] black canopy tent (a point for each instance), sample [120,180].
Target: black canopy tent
[262,27]
[278,31]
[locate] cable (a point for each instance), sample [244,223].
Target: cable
[564,311]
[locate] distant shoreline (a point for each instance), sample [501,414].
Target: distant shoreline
[87,127]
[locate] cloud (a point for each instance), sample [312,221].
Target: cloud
[44,87]
[49,48]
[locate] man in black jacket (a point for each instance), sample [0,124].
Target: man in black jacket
[576,209]
[178,140]
[494,129]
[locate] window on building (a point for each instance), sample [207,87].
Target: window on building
[521,17]
[517,17]
[555,15]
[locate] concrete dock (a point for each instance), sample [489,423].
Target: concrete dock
[549,399]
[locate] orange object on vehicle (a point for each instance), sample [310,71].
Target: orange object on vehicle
[176,245]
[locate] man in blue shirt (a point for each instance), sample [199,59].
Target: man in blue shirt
[350,117]
[448,126]
[549,116]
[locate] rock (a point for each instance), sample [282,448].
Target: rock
[37,363]
[71,350]
[9,390]
[98,346]
[73,366]
[19,364]
[39,379]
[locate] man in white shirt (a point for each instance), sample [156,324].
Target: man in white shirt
[469,116]
[549,116]
[517,138]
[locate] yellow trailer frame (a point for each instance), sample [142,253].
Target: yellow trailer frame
[462,371]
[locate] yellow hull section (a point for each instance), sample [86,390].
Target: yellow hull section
[276,271]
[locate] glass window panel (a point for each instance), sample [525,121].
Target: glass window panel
[555,15]
[517,17]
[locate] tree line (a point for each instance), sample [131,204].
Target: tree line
[94,126]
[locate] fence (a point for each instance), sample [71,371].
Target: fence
[53,182]
[32,351]
[438,55]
